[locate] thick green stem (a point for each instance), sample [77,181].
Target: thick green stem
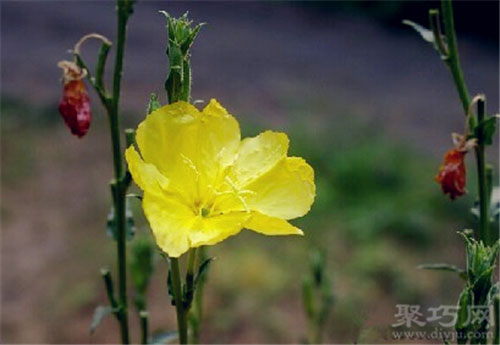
[196,312]
[120,192]
[190,273]
[482,180]
[453,63]
[119,206]
[119,184]
[179,303]
[452,59]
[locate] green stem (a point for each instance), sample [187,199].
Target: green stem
[436,30]
[108,283]
[190,274]
[101,65]
[482,180]
[119,199]
[453,63]
[195,315]
[120,184]
[179,303]
[119,206]
[452,59]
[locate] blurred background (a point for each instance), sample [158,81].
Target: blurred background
[364,99]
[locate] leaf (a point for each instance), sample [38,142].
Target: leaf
[168,337]
[426,34]
[153,103]
[444,267]
[482,286]
[202,271]
[465,300]
[488,127]
[494,291]
[129,222]
[99,314]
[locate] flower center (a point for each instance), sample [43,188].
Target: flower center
[204,212]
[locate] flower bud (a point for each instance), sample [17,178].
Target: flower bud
[75,103]
[451,174]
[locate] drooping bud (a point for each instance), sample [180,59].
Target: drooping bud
[451,174]
[75,103]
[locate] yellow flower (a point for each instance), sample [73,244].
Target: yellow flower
[202,183]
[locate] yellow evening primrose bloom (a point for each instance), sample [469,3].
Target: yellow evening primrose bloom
[202,183]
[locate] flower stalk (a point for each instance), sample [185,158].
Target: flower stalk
[179,303]
[453,62]
[452,59]
[196,311]
[124,9]
[121,180]
[178,88]
[481,175]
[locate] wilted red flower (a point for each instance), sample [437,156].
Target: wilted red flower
[451,174]
[75,103]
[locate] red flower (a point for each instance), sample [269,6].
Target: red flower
[451,174]
[75,103]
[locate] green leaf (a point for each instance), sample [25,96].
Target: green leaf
[482,286]
[129,222]
[153,103]
[168,337]
[202,271]
[488,127]
[444,267]
[465,300]
[494,291]
[426,34]
[99,314]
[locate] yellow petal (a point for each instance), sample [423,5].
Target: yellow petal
[145,175]
[270,225]
[189,147]
[170,222]
[286,191]
[161,138]
[218,139]
[213,229]
[258,155]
